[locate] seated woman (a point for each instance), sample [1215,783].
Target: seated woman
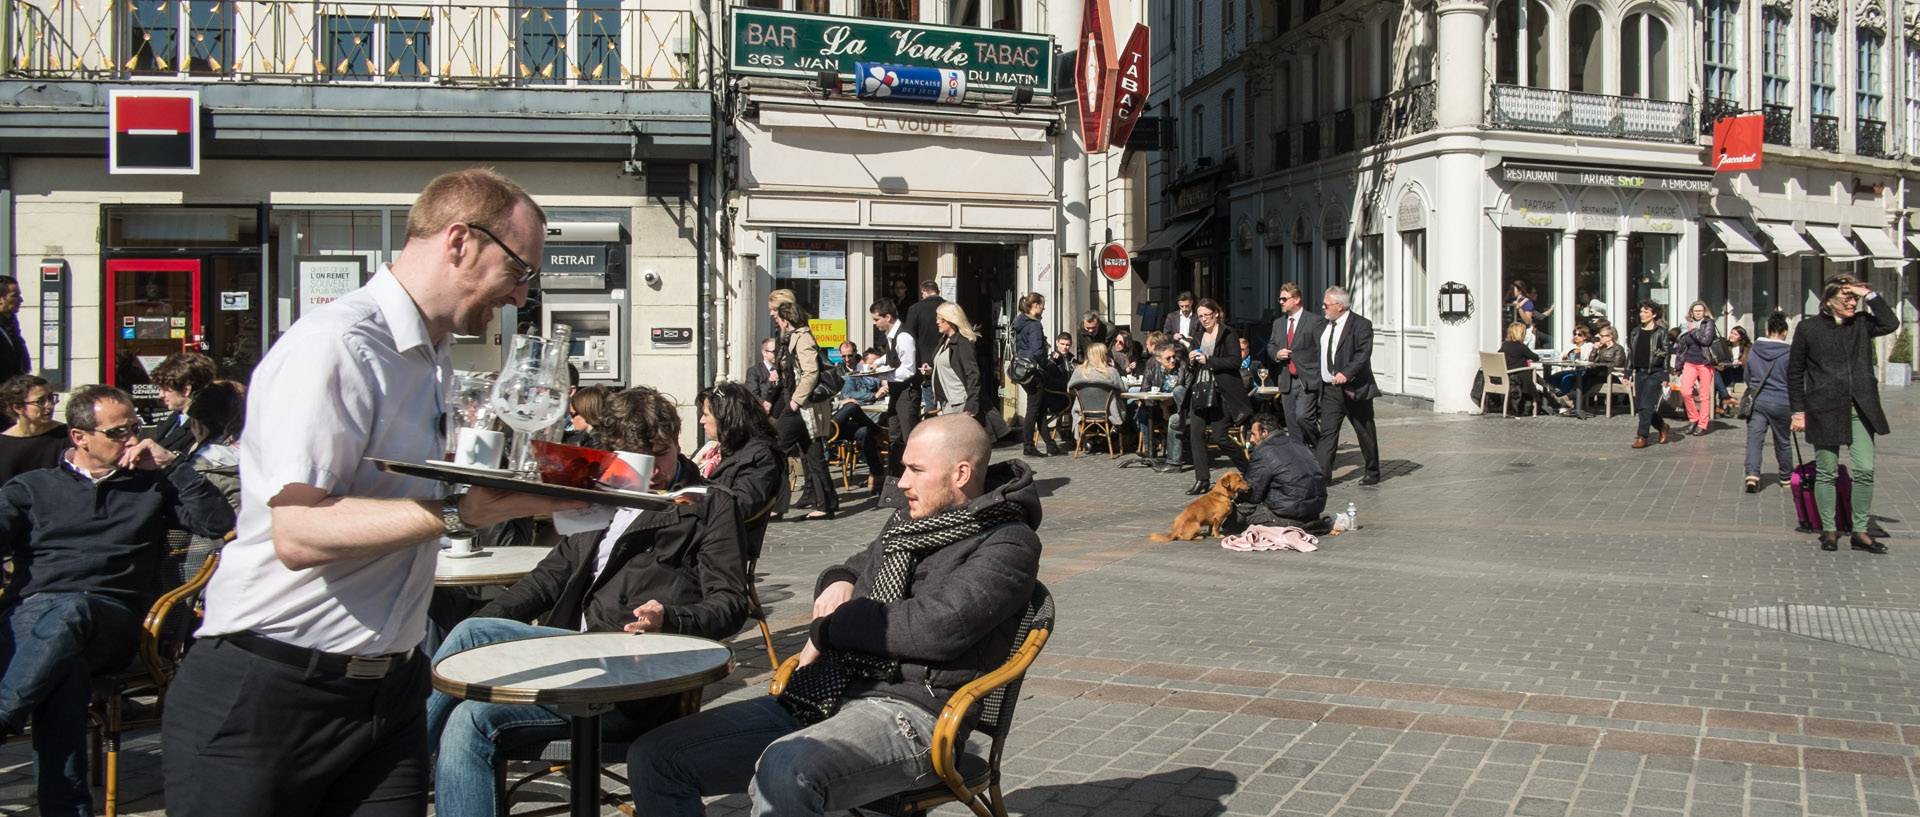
[1562,382]
[1099,369]
[35,439]
[852,420]
[584,410]
[216,416]
[741,437]
[683,566]
[1525,385]
[1608,356]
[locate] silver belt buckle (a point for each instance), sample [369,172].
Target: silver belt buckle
[369,669]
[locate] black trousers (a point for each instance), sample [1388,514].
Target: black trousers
[1036,433]
[1203,425]
[247,735]
[1649,385]
[792,439]
[1336,406]
[903,408]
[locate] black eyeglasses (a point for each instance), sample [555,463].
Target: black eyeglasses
[526,270]
[117,432]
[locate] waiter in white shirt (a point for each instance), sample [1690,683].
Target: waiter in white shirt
[1347,391]
[901,387]
[306,693]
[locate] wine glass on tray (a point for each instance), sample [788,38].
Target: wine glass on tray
[531,392]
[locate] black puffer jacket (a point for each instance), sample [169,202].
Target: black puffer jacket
[688,558]
[755,474]
[961,611]
[1831,367]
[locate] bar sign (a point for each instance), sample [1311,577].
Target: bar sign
[153,132]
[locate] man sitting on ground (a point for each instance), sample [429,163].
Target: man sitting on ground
[684,566]
[1284,483]
[86,537]
[926,608]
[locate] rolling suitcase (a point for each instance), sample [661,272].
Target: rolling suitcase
[1802,495]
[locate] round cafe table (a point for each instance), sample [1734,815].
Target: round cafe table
[583,675]
[1142,460]
[488,566]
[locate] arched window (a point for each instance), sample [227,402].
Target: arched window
[1586,51]
[1520,31]
[1645,57]
[1722,52]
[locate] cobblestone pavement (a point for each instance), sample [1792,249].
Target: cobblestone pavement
[1533,619]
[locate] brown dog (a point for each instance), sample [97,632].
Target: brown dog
[1208,511]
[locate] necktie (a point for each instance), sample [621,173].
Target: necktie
[1292,368]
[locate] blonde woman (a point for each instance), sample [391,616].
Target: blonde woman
[1098,369]
[954,369]
[797,360]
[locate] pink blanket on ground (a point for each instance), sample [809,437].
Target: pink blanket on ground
[1269,537]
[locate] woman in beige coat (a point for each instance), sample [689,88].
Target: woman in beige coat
[797,358]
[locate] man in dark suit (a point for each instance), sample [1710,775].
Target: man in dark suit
[15,358]
[179,377]
[919,320]
[1347,390]
[1294,346]
[1182,325]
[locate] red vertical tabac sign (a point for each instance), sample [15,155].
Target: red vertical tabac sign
[1736,142]
[1130,87]
[1093,75]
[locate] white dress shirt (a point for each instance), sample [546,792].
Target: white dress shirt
[903,348]
[1328,339]
[356,378]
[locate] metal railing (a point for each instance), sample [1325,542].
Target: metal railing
[541,43]
[1870,138]
[1715,109]
[1778,128]
[1824,132]
[1546,110]
[1403,113]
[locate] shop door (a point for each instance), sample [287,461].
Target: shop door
[153,310]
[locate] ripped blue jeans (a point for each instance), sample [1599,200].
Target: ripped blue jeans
[871,748]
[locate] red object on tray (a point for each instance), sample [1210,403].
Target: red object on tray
[571,465]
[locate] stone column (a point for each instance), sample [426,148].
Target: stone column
[1459,76]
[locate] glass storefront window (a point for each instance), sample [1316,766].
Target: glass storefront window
[1766,292]
[1650,270]
[816,270]
[175,228]
[1527,261]
[1590,251]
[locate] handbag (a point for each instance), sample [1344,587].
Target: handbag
[1205,394]
[1022,370]
[1747,398]
[1719,352]
[831,378]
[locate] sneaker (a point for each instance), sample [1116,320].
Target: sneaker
[1753,485]
[1786,480]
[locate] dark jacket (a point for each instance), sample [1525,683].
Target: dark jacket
[966,365]
[1353,356]
[756,473]
[919,321]
[172,432]
[1082,338]
[1055,371]
[1520,356]
[1284,476]
[68,534]
[1831,367]
[1029,339]
[15,357]
[1305,346]
[19,455]
[959,615]
[1171,326]
[758,382]
[1224,361]
[1657,336]
[688,558]
[1694,343]
[1767,370]
[1613,357]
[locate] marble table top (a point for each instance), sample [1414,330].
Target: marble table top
[582,668]
[489,566]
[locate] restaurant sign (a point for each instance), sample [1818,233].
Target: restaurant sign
[1596,177]
[801,45]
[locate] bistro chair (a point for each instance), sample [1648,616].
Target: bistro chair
[1615,384]
[164,636]
[753,535]
[966,776]
[1498,379]
[1096,417]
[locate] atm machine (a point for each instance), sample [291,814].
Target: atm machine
[583,284]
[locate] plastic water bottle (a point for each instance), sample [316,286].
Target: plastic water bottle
[1353,516]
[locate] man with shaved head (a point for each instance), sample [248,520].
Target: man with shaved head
[929,606]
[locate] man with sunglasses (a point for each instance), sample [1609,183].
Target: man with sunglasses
[88,535]
[306,690]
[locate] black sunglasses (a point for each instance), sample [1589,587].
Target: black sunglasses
[117,432]
[526,270]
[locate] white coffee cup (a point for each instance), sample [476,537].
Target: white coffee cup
[642,464]
[478,447]
[461,545]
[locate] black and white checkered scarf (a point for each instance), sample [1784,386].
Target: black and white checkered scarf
[813,693]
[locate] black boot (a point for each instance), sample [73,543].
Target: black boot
[1030,451]
[1199,487]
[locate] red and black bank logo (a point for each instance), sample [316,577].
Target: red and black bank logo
[154,131]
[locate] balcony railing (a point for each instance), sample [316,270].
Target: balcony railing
[1403,113]
[1715,109]
[1580,114]
[542,42]
[1870,138]
[1825,132]
[1778,129]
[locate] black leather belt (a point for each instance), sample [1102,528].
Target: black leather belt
[351,666]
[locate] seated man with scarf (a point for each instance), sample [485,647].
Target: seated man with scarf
[929,606]
[684,567]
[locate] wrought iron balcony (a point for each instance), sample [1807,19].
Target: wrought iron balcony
[1715,109]
[543,42]
[1825,132]
[1870,139]
[1403,113]
[1342,132]
[1580,114]
[1778,129]
[1310,142]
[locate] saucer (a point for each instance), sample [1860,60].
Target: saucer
[448,552]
